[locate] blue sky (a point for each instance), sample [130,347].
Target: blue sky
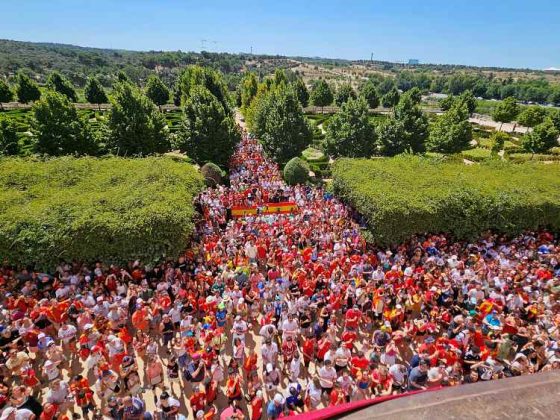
[512,33]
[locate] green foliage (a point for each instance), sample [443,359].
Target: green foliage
[60,84]
[6,94]
[249,87]
[446,103]
[321,94]
[414,123]
[115,210]
[122,77]
[543,137]
[391,98]
[369,93]
[9,145]
[26,89]
[58,129]
[391,138]
[136,127]
[278,121]
[301,92]
[208,133]
[554,117]
[94,92]
[467,98]
[410,195]
[156,90]
[506,110]
[343,94]
[498,141]
[532,116]
[452,131]
[212,174]
[296,171]
[415,95]
[194,76]
[350,132]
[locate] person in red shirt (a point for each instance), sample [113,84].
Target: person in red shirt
[337,395]
[353,317]
[309,346]
[257,406]
[198,399]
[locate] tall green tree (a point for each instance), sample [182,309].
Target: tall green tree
[391,138]
[208,132]
[249,86]
[467,98]
[369,93]
[157,91]
[415,95]
[452,132]
[136,127]
[94,92]
[350,132]
[391,98]
[60,84]
[301,92]
[321,94]
[344,93]
[202,76]
[532,116]
[9,145]
[414,122]
[542,138]
[505,111]
[58,128]
[279,123]
[6,94]
[26,89]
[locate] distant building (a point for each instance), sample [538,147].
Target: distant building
[413,61]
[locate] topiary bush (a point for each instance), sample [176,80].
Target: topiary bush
[87,209]
[212,174]
[296,171]
[407,195]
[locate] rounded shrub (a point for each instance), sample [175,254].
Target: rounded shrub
[296,171]
[212,174]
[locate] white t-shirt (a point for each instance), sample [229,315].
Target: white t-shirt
[327,376]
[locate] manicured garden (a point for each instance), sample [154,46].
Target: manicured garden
[85,209]
[408,195]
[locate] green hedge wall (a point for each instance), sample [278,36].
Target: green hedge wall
[408,195]
[112,209]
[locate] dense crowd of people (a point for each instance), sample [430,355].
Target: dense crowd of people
[269,315]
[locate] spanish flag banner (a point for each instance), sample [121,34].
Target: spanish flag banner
[240,211]
[282,208]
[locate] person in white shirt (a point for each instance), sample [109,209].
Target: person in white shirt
[269,352]
[290,327]
[327,377]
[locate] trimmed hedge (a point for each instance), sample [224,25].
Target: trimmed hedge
[212,174]
[296,171]
[87,209]
[410,195]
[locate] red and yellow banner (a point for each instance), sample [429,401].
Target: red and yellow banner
[268,208]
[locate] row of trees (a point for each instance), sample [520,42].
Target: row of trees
[323,94]
[482,85]
[27,90]
[351,133]
[134,125]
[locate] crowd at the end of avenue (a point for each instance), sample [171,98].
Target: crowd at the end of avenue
[270,315]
